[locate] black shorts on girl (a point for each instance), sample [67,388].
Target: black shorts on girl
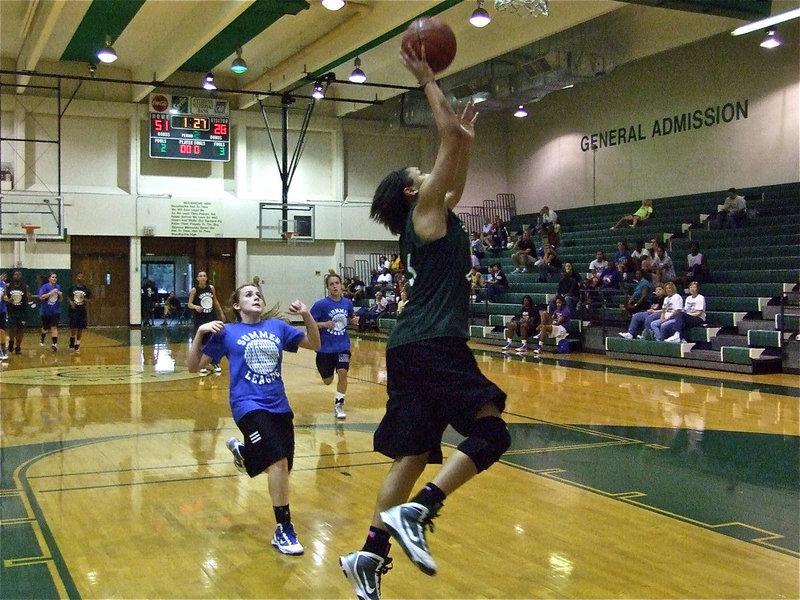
[268,437]
[330,362]
[432,384]
[49,321]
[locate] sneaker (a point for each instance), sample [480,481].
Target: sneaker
[523,347]
[17,350]
[285,540]
[674,338]
[338,410]
[406,523]
[363,570]
[3,356]
[217,368]
[537,350]
[41,343]
[507,346]
[518,270]
[203,371]
[526,270]
[626,335]
[235,446]
[536,337]
[55,348]
[77,349]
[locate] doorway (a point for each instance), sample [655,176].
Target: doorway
[105,264]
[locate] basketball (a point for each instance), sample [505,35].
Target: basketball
[438,38]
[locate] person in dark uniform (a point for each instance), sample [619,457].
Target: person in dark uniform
[433,379]
[18,296]
[78,295]
[205,308]
[149,297]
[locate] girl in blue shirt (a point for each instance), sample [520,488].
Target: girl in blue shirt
[254,346]
[50,309]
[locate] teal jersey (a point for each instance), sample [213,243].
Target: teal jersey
[439,302]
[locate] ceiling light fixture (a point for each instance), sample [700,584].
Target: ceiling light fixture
[480,18]
[768,22]
[107,54]
[209,82]
[318,93]
[479,97]
[772,40]
[238,65]
[333,4]
[358,76]
[521,113]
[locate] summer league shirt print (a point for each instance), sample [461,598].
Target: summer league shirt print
[255,356]
[333,340]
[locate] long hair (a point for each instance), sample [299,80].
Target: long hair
[389,204]
[266,313]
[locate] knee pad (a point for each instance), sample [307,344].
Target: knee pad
[487,441]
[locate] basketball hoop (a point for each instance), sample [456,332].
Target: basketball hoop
[526,8]
[290,238]
[30,233]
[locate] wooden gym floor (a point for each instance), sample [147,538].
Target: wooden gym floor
[623,481]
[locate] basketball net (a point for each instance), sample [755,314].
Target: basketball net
[526,8]
[290,238]
[30,235]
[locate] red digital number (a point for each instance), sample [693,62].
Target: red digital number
[185,148]
[197,149]
[220,129]
[160,124]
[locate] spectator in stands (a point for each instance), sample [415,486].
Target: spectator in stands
[643,212]
[733,211]
[549,262]
[499,235]
[612,277]
[548,219]
[478,249]
[356,288]
[623,253]
[695,268]
[692,315]
[383,263]
[569,287]
[554,325]
[476,282]
[402,284]
[638,254]
[396,264]
[641,320]
[368,317]
[524,323]
[524,252]
[403,301]
[662,268]
[596,269]
[646,262]
[496,285]
[486,233]
[384,282]
[641,298]
[673,305]
[173,307]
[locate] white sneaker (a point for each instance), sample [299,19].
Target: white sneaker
[626,335]
[363,570]
[203,371]
[338,410]
[217,368]
[675,338]
[235,446]
[537,350]
[285,540]
[507,346]
[518,270]
[523,347]
[406,523]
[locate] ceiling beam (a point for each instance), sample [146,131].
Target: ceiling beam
[42,22]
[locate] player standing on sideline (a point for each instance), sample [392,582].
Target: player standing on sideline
[3,317]
[433,378]
[254,346]
[50,296]
[332,315]
[18,295]
[78,294]
[205,308]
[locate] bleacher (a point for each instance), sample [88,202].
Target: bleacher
[752,295]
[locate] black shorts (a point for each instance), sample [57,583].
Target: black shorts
[16,319]
[329,362]
[268,437]
[432,384]
[3,319]
[77,318]
[49,321]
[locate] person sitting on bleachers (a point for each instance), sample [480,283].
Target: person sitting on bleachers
[355,288]
[368,317]
[569,286]
[641,320]
[496,284]
[692,315]
[524,323]
[171,307]
[486,232]
[477,247]
[403,301]
[733,211]
[548,262]
[641,298]
[623,253]
[396,264]
[476,282]
[554,325]
[642,213]
[548,219]
[384,281]
[523,256]
[661,266]
[597,266]
[638,254]
[673,305]
[695,268]
[499,235]
[646,262]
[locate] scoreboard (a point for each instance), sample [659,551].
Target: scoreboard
[188,128]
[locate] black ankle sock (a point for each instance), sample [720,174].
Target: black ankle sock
[377,542]
[71,342]
[431,497]
[282,514]
[41,338]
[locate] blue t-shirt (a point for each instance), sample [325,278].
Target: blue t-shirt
[340,312]
[51,306]
[255,354]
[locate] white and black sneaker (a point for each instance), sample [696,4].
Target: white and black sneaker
[507,346]
[407,523]
[216,368]
[363,570]
[338,410]
[235,446]
[285,540]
